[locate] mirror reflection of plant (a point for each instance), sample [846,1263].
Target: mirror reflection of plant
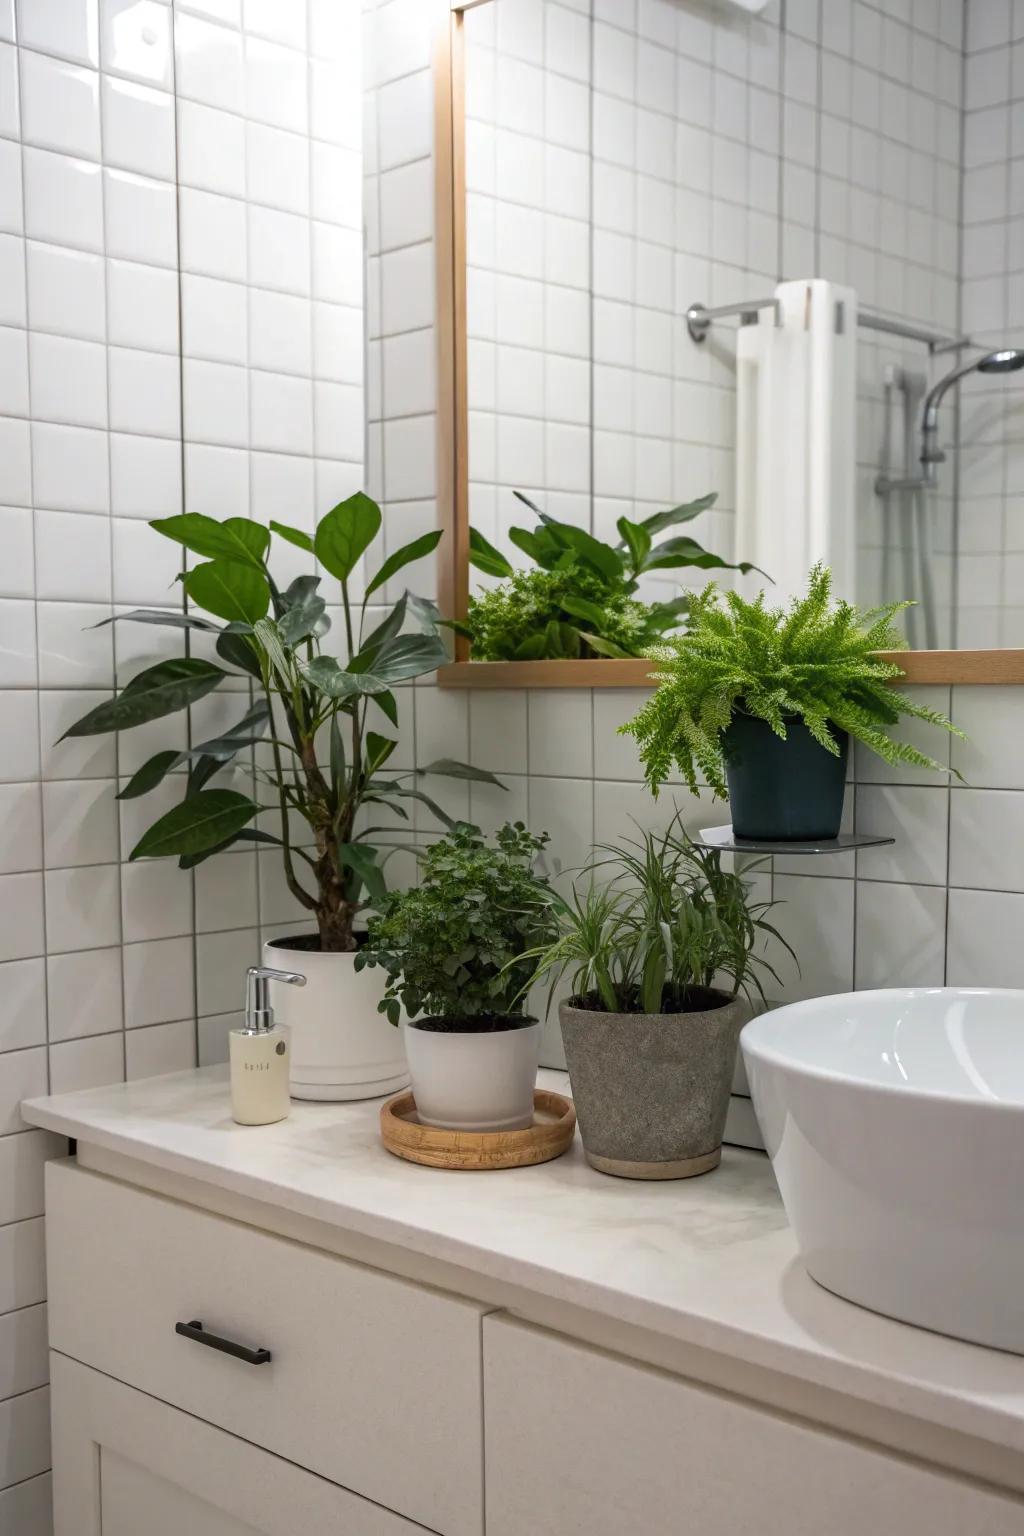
[815,660]
[662,926]
[309,712]
[456,946]
[579,599]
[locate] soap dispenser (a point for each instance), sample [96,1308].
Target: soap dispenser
[259,1053]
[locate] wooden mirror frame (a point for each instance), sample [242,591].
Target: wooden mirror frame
[919,667]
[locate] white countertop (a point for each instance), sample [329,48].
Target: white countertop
[708,1262]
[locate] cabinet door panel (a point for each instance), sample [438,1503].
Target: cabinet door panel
[133,1500]
[583,1442]
[127,1465]
[352,1389]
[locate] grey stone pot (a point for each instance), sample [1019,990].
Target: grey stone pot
[652,1090]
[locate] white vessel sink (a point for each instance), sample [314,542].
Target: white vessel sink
[895,1125]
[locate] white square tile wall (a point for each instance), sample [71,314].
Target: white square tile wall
[145,366]
[714,155]
[991,595]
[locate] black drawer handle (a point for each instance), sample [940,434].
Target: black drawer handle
[197,1332]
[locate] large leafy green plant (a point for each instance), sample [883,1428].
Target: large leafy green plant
[307,712]
[663,927]
[815,660]
[579,600]
[456,947]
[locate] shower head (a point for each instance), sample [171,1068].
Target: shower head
[1007,360]
[1001,362]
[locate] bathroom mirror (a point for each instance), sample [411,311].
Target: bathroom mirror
[700,251]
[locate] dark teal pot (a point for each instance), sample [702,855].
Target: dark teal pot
[783,791]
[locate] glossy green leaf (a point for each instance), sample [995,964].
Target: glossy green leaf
[448,768]
[325,675]
[229,589]
[293,536]
[541,551]
[337,750]
[409,656]
[387,629]
[346,531]
[247,732]
[201,772]
[362,860]
[378,750]
[583,608]
[268,634]
[486,558]
[303,620]
[684,513]
[200,822]
[298,590]
[680,553]
[150,775]
[387,704]
[561,641]
[416,550]
[172,619]
[602,646]
[637,540]
[522,496]
[247,835]
[158,691]
[600,557]
[534,648]
[425,611]
[234,538]
[395,789]
[234,646]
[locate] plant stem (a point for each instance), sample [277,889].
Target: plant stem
[298,891]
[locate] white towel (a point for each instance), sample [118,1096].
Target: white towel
[796,451]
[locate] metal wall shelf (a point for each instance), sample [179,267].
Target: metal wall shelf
[723,839]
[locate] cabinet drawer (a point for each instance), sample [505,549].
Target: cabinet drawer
[373,1382]
[125,1463]
[583,1442]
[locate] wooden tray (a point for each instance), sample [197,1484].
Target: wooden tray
[554,1124]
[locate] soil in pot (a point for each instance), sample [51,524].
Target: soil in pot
[474,1079]
[783,791]
[652,1090]
[342,1048]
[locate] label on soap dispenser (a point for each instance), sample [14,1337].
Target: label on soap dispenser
[259,1076]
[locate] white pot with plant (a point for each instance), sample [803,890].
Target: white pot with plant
[305,739]
[457,949]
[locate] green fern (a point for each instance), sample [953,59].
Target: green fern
[816,660]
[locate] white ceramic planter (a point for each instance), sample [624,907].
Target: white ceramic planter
[341,1047]
[474,1082]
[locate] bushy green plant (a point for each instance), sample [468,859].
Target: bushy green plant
[578,599]
[662,926]
[815,660]
[456,947]
[306,709]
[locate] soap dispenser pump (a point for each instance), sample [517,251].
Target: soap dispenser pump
[259,1053]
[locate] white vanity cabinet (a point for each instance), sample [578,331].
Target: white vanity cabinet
[581,1441]
[540,1352]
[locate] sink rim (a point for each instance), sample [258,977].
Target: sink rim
[754,1045]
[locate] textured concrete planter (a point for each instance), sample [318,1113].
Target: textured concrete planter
[652,1090]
